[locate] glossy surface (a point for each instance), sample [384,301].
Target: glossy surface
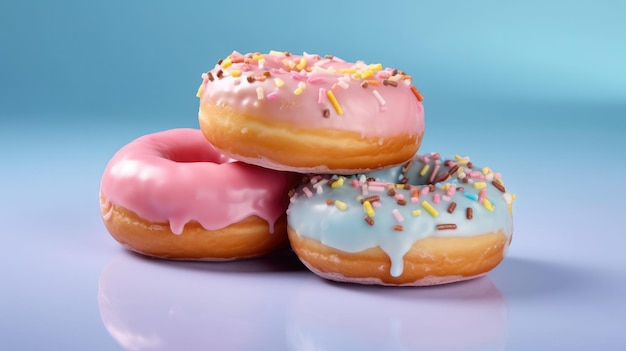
[176,176]
[535,89]
[67,282]
[295,93]
[400,219]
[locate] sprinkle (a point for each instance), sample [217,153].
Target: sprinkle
[326,113]
[333,101]
[508,198]
[434,172]
[436,199]
[315,80]
[226,63]
[469,213]
[259,93]
[235,73]
[390,82]
[398,228]
[424,169]
[451,189]
[480,185]
[446,226]
[417,93]
[336,183]
[364,189]
[210,76]
[462,160]
[425,191]
[471,196]
[369,220]
[278,82]
[391,192]
[416,212]
[451,207]
[329,202]
[200,91]
[364,84]
[219,74]
[370,199]
[397,215]
[401,202]
[430,209]
[366,74]
[369,210]
[380,99]
[272,96]
[375,66]
[498,186]
[481,195]
[343,84]
[307,192]
[488,205]
[399,197]
[277,53]
[250,79]
[341,205]
[300,66]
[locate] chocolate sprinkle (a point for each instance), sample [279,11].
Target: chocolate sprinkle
[326,113]
[369,220]
[446,226]
[469,213]
[371,198]
[498,186]
[452,207]
[398,228]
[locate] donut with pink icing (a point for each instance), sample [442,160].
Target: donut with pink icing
[172,195]
[310,113]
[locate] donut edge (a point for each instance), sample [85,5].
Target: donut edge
[259,141]
[430,261]
[248,238]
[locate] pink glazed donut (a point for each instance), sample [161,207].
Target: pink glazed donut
[172,195]
[310,114]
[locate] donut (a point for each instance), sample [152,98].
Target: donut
[310,114]
[430,221]
[172,195]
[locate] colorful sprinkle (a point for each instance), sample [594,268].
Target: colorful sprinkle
[341,205]
[430,209]
[397,215]
[260,94]
[416,212]
[333,101]
[369,210]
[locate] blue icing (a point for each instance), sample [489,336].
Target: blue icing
[348,231]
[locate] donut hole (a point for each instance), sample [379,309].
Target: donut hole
[192,154]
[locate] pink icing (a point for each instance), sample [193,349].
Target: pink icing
[176,176]
[391,110]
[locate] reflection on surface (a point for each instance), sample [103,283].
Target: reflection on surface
[149,304]
[471,315]
[273,304]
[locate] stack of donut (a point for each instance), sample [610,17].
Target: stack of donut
[317,153]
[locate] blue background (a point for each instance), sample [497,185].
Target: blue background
[536,89]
